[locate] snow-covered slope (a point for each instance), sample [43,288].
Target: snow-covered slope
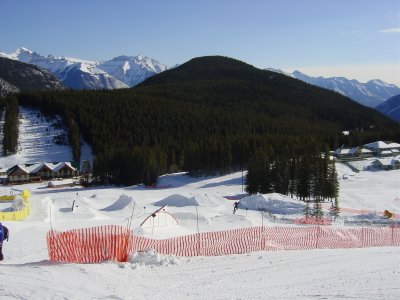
[120,72]
[40,139]
[371,93]
[7,88]
[19,76]
[391,108]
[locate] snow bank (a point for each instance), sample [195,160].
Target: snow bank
[177,200]
[273,203]
[122,202]
[151,258]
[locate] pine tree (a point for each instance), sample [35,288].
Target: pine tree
[307,210]
[317,211]
[334,211]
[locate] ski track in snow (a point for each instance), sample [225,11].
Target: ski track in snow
[36,141]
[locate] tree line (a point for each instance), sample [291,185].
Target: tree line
[309,176]
[205,117]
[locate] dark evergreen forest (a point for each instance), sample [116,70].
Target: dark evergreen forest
[210,115]
[10,129]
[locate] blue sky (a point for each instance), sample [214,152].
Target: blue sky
[355,38]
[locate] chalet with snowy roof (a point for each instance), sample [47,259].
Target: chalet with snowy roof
[18,173]
[360,152]
[383,149]
[386,164]
[40,171]
[342,152]
[64,170]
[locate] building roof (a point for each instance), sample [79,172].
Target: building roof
[387,161]
[37,167]
[377,145]
[394,145]
[387,152]
[61,165]
[23,168]
[342,151]
[34,168]
[363,150]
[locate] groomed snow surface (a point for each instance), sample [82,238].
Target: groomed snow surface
[26,272]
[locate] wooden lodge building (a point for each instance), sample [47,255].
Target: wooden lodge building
[41,171]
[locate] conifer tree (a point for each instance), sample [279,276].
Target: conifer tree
[334,211]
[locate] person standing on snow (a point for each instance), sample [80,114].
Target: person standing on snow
[3,236]
[235,207]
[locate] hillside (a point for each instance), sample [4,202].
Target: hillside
[18,76]
[40,139]
[391,108]
[206,116]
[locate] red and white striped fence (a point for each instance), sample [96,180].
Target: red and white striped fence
[115,243]
[90,245]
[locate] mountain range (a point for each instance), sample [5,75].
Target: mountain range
[371,93]
[128,71]
[119,72]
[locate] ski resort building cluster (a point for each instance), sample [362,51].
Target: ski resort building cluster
[41,171]
[375,149]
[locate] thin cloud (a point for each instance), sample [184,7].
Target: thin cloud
[390,30]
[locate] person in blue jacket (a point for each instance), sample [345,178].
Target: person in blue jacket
[3,236]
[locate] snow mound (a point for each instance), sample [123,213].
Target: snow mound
[205,200]
[122,202]
[273,203]
[177,200]
[151,258]
[208,200]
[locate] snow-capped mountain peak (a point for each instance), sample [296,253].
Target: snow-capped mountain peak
[370,94]
[132,69]
[120,72]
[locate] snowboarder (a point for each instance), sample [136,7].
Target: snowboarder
[3,236]
[235,207]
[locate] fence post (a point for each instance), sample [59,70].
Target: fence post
[392,234]
[316,244]
[198,234]
[362,237]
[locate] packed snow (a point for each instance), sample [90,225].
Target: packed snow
[198,204]
[330,274]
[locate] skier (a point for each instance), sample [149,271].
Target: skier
[235,207]
[3,236]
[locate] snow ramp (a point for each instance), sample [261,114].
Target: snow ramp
[122,202]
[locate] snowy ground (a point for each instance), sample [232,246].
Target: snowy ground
[26,272]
